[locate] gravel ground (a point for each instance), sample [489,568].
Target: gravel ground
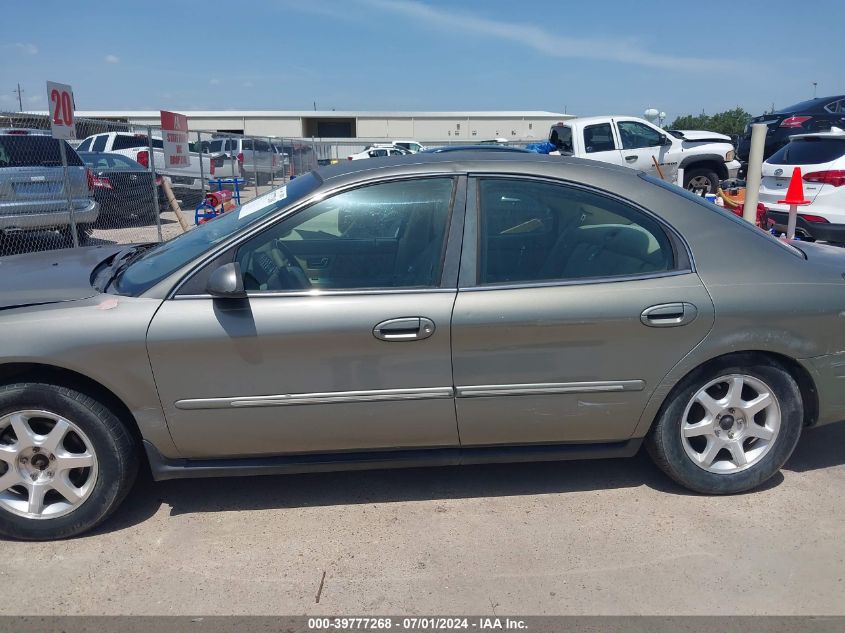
[606,537]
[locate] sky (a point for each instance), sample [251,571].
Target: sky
[584,58]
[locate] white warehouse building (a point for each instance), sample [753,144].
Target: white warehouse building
[469,127]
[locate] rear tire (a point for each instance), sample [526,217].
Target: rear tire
[729,428]
[66,462]
[700,177]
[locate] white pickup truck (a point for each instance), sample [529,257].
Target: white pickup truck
[705,157]
[188,178]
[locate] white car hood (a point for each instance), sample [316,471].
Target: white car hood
[703,135]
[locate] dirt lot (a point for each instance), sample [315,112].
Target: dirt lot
[611,537]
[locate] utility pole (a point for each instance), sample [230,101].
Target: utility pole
[19,92]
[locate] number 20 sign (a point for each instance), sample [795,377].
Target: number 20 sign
[60,99]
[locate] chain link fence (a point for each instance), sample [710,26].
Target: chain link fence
[116,187]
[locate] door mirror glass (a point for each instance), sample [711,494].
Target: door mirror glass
[226,282]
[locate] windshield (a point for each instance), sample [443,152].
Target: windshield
[713,208]
[164,259]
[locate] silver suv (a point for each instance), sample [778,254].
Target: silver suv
[32,187]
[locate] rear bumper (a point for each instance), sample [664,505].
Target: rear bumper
[83,214]
[817,230]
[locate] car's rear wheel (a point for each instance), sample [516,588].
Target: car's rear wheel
[701,178]
[66,461]
[729,429]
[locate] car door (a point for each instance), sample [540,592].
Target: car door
[642,146]
[599,143]
[343,341]
[567,342]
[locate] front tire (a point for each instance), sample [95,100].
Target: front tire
[728,429]
[66,462]
[701,177]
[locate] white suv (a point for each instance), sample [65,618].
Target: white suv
[821,157]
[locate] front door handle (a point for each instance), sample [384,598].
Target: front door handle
[631,158]
[669,314]
[404,329]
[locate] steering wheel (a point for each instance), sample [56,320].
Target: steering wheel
[296,274]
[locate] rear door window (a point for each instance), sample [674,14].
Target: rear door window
[598,138]
[809,151]
[34,151]
[100,143]
[85,145]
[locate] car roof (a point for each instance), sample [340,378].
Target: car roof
[834,133]
[490,147]
[523,163]
[811,104]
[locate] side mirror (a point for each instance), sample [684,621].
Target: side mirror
[665,141]
[226,282]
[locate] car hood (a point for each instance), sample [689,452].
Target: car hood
[51,276]
[700,136]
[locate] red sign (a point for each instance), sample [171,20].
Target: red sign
[174,136]
[60,99]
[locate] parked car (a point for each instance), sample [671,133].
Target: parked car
[247,158]
[473,148]
[185,180]
[455,308]
[412,146]
[32,186]
[378,151]
[707,158]
[815,115]
[821,157]
[123,187]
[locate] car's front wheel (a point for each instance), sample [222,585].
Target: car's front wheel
[728,429]
[701,178]
[66,461]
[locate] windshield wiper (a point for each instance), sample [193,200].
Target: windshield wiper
[123,260]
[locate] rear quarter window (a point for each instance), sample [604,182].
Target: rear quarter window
[809,151]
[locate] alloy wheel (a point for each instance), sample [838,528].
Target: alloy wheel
[730,424]
[48,466]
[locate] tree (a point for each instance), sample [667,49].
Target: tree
[730,122]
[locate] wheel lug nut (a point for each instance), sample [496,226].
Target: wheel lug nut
[34,477]
[731,435]
[36,449]
[24,460]
[49,473]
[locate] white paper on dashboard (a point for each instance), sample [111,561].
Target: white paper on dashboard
[263,201]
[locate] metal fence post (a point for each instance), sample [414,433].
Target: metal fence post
[255,167]
[155,187]
[273,163]
[202,165]
[68,194]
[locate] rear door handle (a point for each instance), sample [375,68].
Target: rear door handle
[404,329]
[669,314]
[631,158]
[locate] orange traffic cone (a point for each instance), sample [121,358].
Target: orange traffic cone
[795,193]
